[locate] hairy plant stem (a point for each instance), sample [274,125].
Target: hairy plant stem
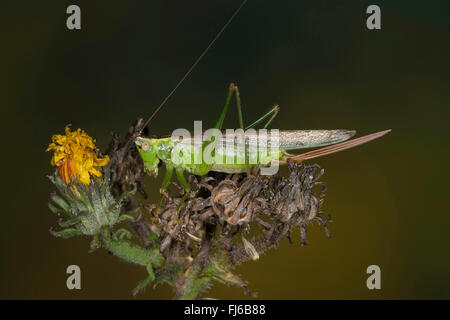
[192,282]
[211,263]
[131,252]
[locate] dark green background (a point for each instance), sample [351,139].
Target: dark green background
[317,59]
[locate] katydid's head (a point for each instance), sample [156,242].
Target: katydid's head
[147,149]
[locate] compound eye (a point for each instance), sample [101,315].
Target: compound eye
[145,146]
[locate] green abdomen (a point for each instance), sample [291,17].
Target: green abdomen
[199,161]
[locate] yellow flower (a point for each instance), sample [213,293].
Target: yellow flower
[75,157]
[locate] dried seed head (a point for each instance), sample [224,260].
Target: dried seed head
[233,202]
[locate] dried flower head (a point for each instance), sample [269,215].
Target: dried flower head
[75,156]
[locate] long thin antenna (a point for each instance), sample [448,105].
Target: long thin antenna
[194,65]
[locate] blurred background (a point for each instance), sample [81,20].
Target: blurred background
[316,59]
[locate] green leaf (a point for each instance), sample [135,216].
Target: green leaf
[66,233]
[55,209]
[126,217]
[60,202]
[151,237]
[69,222]
[123,234]
[124,195]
